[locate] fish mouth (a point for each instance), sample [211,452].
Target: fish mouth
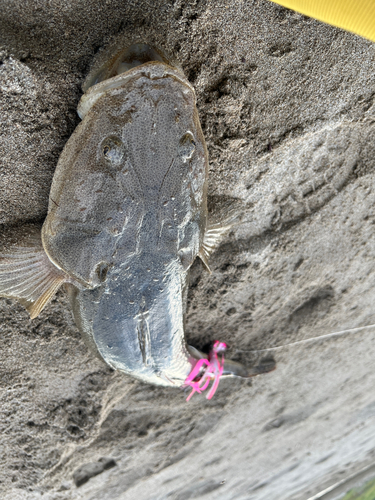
[123,60]
[133,62]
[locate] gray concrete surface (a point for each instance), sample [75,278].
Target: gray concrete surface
[287,108]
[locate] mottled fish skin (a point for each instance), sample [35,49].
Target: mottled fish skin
[127,217]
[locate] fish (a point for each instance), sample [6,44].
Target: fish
[127,217]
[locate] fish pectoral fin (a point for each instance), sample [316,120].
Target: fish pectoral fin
[27,274]
[213,236]
[203,255]
[51,287]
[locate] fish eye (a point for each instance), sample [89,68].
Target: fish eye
[186,146]
[113,150]
[101,271]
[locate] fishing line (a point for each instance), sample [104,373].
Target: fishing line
[311,339]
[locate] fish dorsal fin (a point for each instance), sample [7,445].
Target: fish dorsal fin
[27,274]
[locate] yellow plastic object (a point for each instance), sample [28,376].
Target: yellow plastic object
[357,16]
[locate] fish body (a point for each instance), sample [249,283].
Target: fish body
[127,217]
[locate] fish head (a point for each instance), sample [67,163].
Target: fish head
[139,154]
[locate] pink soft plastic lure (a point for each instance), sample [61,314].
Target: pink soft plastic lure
[205,370]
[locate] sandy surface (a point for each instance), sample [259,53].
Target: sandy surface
[287,108]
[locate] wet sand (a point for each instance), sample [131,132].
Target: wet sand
[287,108]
